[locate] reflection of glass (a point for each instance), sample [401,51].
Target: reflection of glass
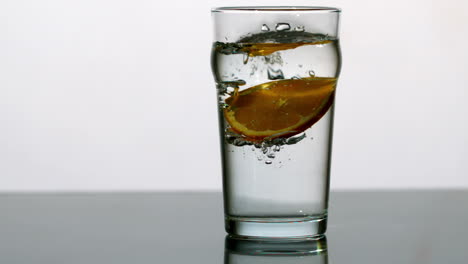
[276,70]
[239,251]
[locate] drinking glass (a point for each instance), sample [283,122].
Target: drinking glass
[276,70]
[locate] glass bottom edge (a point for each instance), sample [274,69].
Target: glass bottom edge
[284,228]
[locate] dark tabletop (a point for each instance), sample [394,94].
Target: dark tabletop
[364,227]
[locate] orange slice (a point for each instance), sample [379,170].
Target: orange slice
[264,49]
[279,108]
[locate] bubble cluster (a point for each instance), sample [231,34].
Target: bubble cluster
[267,148]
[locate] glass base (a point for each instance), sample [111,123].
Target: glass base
[294,228]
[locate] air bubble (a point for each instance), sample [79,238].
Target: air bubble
[294,140]
[275,74]
[267,148]
[223,105]
[228,48]
[265,28]
[282,27]
[246,58]
[299,29]
[274,58]
[254,70]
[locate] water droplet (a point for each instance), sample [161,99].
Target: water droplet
[282,27]
[259,158]
[299,28]
[300,65]
[275,74]
[311,138]
[295,78]
[265,28]
[268,162]
[276,148]
[312,73]
[271,155]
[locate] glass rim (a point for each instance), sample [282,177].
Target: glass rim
[272,9]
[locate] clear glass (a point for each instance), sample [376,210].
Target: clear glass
[276,70]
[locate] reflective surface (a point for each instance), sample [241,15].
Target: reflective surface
[364,227]
[311,251]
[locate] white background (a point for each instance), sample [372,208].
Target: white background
[118,95]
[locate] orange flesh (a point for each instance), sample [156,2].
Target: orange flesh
[279,108]
[263,49]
